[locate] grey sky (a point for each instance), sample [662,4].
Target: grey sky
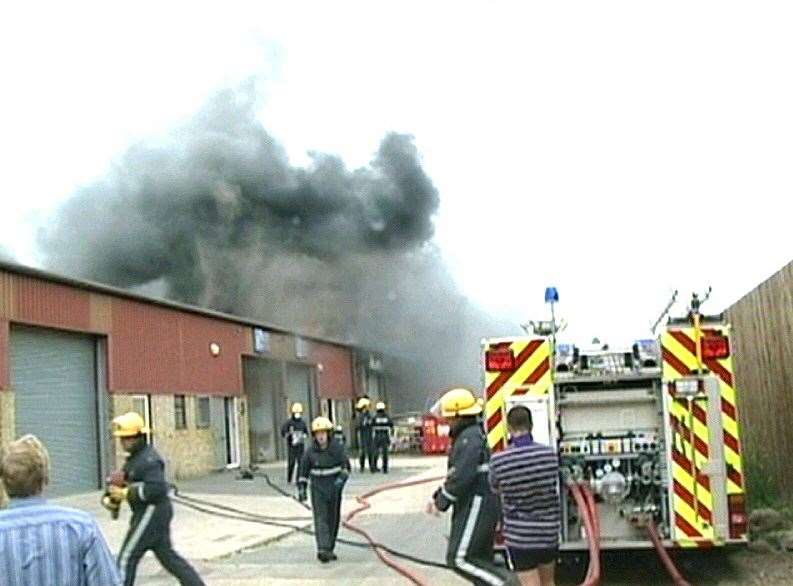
[617,150]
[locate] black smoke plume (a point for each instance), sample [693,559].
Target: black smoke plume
[214,215]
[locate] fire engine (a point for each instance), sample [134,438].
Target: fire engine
[650,430]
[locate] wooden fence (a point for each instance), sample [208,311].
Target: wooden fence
[763,348]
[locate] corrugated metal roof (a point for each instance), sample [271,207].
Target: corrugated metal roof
[12,267]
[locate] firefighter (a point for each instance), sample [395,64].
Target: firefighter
[467,491]
[364,434]
[327,468]
[295,431]
[142,484]
[338,435]
[383,429]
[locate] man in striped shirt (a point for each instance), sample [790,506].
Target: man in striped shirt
[526,475]
[42,544]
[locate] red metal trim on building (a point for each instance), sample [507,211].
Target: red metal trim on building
[58,306]
[154,346]
[83,286]
[167,351]
[335,379]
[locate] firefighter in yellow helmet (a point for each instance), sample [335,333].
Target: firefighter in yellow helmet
[142,484]
[382,430]
[466,490]
[364,433]
[294,432]
[326,467]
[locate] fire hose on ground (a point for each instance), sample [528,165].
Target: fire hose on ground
[383,551]
[362,500]
[583,496]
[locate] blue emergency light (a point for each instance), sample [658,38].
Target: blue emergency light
[551,295]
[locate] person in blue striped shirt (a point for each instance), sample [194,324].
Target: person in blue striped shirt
[526,476]
[43,544]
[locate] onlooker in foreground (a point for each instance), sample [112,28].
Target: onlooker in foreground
[43,544]
[526,475]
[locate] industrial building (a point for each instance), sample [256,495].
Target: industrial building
[214,388]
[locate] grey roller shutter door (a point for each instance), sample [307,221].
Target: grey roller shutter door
[53,376]
[298,388]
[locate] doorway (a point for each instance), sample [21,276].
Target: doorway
[141,404]
[232,411]
[262,379]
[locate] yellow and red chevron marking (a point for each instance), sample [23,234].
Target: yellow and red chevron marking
[692,498]
[531,374]
[680,359]
[690,449]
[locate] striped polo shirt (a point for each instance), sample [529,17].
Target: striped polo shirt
[526,476]
[48,545]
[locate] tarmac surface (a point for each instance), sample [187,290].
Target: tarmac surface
[230,552]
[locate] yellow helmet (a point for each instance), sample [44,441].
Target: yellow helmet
[363,403]
[129,425]
[380,406]
[458,402]
[321,424]
[297,408]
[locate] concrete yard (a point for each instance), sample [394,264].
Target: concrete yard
[209,540]
[231,552]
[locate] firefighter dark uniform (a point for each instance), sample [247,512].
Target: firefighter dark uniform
[475,509]
[382,429]
[295,432]
[338,435]
[363,430]
[152,512]
[326,470]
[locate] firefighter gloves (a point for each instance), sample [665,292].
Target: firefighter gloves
[117,493]
[341,480]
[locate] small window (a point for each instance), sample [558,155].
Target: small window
[261,341]
[202,417]
[301,347]
[180,411]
